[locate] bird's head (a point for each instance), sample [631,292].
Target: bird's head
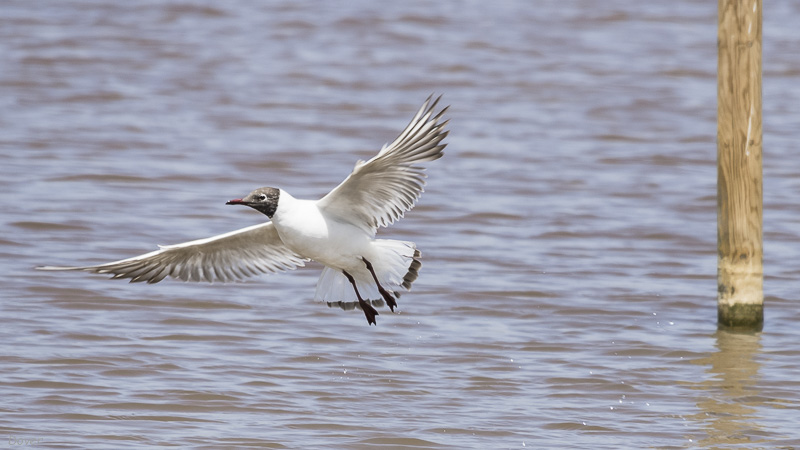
[263,199]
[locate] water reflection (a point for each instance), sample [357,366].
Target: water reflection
[729,397]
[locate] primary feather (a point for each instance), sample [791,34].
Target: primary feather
[381,190]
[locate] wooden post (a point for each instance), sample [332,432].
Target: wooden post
[740,299]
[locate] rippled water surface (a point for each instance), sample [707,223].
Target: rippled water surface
[568,294]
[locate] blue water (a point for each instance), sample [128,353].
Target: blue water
[568,292]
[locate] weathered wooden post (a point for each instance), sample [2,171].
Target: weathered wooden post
[740,298]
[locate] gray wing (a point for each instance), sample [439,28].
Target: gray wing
[227,257]
[381,190]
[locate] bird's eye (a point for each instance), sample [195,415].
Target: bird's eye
[262,197]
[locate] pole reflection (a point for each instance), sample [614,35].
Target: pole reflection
[729,397]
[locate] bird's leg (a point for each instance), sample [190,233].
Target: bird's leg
[386,295]
[369,311]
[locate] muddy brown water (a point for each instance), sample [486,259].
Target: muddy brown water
[567,297]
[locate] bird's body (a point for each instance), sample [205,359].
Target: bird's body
[307,231]
[337,231]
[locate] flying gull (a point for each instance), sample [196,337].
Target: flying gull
[337,230]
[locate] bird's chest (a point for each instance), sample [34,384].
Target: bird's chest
[302,229]
[307,232]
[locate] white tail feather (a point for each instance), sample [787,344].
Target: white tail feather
[393,262]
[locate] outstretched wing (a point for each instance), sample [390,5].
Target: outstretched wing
[381,190]
[226,257]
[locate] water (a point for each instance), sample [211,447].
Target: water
[568,291]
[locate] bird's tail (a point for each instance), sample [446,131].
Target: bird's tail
[396,264]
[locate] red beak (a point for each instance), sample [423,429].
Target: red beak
[236,201]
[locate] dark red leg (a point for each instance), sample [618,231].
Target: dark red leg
[369,311]
[386,295]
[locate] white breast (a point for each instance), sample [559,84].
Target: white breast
[308,232]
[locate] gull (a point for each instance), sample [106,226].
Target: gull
[337,230]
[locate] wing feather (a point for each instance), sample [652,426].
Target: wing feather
[227,257]
[381,190]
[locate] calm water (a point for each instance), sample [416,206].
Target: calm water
[568,294]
